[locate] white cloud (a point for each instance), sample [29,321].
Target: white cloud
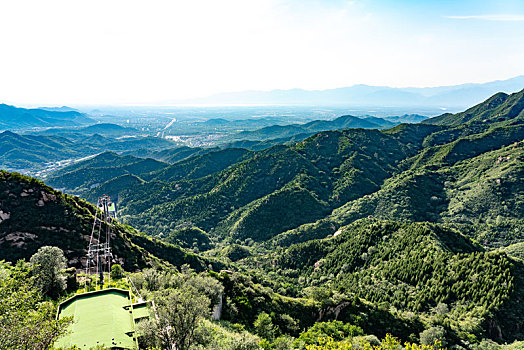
[490,17]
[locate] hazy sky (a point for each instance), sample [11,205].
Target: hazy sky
[126,51]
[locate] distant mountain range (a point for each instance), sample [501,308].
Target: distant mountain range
[340,123]
[33,153]
[105,129]
[364,95]
[14,118]
[59,109]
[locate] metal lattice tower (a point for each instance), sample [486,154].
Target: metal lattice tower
[99,254]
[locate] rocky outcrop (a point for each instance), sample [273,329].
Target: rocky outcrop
[18,239]
[4,216]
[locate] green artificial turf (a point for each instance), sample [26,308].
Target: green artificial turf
[99,319]
[140,311]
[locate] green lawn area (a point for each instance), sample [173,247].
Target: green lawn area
[140,311]
[99,319]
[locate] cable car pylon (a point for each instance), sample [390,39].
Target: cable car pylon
[99,253]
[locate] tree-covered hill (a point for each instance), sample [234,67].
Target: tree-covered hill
[201,165]
[32,153]
[33,215]
[100,161]
[81,177]
[170,155]
[329,169]
[483,195]
[261,145]
[499,107]
[17,151]
[415,230]
[412,267]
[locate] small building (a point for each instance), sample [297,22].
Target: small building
[106,317]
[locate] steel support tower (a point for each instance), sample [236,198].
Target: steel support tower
[99,254]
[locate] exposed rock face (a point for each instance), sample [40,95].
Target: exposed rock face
[4,216]
[18,239]
[48,197]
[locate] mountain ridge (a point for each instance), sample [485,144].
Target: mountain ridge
[340,123]
[22,118]
[366,95]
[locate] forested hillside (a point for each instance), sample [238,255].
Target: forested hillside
[33,215]
[413,267]
[36,153]
[328,169]
[413,172]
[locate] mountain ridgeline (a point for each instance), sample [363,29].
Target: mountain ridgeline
[366,95]
[336,176]
[31,153]
[14,118]
[340,123]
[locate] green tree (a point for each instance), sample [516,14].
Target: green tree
[49,264]
[335,330]
[178,314]
[117,272]
[388,343]
[26,321]
[487,345]
[441,309]
[433,334]
[205,285]
[264,326]
[283,342]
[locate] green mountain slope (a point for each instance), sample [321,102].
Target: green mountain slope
[261,145]
[471,178]
[81,177]
[99,130]
[33,215]
[500,107]
[400,230]
[329,169]
[482,195]
[32,153]
[335,177]
[413,267]
[202,165]
[468,146]
[17,151]
[170,155]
